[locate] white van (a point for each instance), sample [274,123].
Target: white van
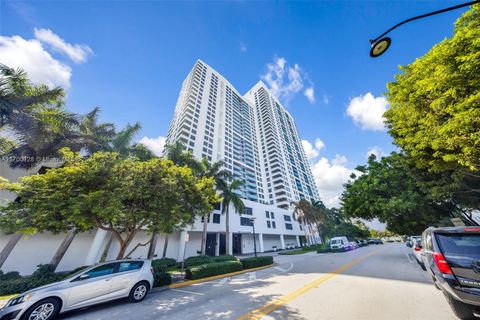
[340,244]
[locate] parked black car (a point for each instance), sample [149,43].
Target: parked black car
[452,258]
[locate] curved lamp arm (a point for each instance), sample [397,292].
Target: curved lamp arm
[424,16]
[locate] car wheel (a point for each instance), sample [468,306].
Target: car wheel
[462,310]
[139,292]
[43,310]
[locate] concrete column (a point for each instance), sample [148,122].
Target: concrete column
[181,246]
[260,242]
[282,240]
[96,247]
[298,241]
[217,245]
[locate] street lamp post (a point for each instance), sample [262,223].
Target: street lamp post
[252,221]
[380,44]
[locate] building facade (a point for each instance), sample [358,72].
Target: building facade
[258,141]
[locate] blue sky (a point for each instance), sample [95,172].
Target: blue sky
[130,58]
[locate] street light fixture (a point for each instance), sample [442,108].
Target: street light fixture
[252,221]
[380,44]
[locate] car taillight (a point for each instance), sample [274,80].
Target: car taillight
[471,229]
[441,263]
[418,249]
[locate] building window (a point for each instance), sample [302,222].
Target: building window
[248,211]
[287,218]
[216,206]
[267,214]
[216,218]
[245,222]
[203,219]
[274,226]
[268,224]
[272,215]
[301,228]
[288,226]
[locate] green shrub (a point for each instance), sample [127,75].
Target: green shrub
[197,261]
[212,269]
[9,275]
[162,279]
[43,271]
[249,263]
[161,265]
[224,258]
[27,283]
[323,250]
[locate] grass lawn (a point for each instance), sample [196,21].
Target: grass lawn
[292,252]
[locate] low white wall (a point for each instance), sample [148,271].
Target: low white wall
[270,240]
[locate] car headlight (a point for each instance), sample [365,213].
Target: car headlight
[19,299]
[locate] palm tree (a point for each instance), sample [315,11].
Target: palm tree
[304,213]
[123,144]
[179,155]
[229,195]
[211,170]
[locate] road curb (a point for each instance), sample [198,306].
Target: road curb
[220,276]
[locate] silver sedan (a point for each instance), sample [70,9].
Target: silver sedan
[100,283]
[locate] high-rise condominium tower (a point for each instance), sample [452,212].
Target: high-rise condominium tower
[253,134]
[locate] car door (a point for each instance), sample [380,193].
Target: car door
[91,287]
[125,278]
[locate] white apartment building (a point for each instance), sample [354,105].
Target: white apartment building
[259,142]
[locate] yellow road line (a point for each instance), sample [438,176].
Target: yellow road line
[269,307]
[220,276]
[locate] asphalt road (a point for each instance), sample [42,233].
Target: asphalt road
[375,282]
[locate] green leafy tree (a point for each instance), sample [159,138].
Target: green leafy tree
[387,190]
[435,112]
[106,192]
[228,192]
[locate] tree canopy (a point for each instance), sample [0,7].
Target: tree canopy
[389,190]
[103,191]
[434,113]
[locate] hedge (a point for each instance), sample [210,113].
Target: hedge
[27,283]
[161,265]
[197,261]
[249,263]
[224,258]
[212,269]
[161,279]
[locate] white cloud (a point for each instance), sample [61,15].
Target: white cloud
[243,47]
[78,53]
[310,94]
[326,99]
[367,111]
[155,144]
[319,144]
[377,151]
[31,56]
[312,151]
[330,177]
[286,81]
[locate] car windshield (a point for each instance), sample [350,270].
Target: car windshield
[336,241]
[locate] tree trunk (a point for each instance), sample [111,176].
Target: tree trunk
[12,242]
[107,248]
[67,241]
[204,234]
[153,246]
[306,233]
[124,243]
[227,230]
[165,246]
